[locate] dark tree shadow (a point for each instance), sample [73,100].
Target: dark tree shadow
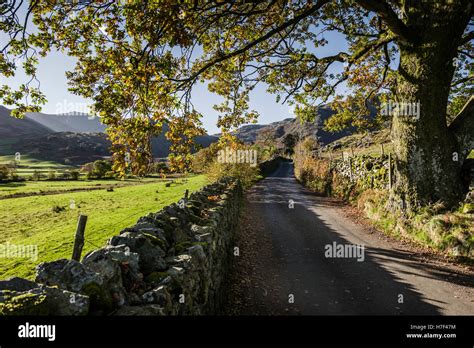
[334,286]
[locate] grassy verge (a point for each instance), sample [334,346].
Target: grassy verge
[33,221]
[449,231]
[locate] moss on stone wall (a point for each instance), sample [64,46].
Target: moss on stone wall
[173,262]
[363,181]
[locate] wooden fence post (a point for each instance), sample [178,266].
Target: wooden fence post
[350,168]
[186,194]
[381,149]
[79,238]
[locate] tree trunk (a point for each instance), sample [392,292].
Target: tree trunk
[425,149]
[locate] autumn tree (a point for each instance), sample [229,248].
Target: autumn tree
[289,142]
[142,58]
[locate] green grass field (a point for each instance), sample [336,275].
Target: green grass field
[31,220]
[26,160]
[28,164]
[43,186]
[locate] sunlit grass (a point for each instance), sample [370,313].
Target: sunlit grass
[31,220]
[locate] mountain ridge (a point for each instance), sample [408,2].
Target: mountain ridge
[73,138]
[279,130]
[77,138]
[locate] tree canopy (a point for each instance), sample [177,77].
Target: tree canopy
[139,60]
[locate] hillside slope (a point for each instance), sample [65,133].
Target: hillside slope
[69,138]
[14,127]
[78,138]
[78,123]
[250,134]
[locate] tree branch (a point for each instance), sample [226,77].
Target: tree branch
[466,38]
[294,20]
[390,19]
[463,80]
[467,54]
[371,45]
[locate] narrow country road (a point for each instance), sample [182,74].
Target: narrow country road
[282,267]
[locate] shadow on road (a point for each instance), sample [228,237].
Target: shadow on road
[321,285]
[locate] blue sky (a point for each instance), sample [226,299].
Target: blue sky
[51,73]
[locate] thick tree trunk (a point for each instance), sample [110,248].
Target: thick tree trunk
[427,168]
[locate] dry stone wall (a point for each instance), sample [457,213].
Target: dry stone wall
[343,178]
[173,262]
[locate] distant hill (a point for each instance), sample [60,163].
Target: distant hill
[83,123]
[79,148]
[66,147]
[279,130]
[78,138]
[160,144]
[72,122]
[71,138]
[248,133]
[18,128]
